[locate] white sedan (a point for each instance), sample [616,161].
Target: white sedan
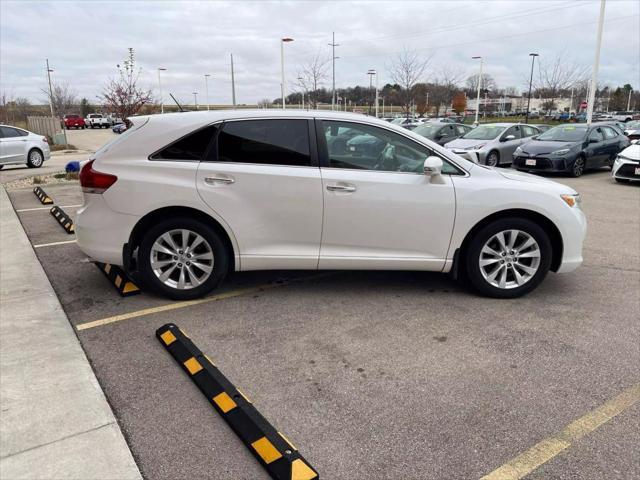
[626,167]
[18,146]
[182,199]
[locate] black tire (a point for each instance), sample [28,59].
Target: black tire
[35,158]
[493,159]
[578,167]
[473,251]
[220,253]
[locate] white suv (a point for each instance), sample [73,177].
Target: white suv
[181,199]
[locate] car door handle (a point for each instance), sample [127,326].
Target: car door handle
[218,180]
[341,187]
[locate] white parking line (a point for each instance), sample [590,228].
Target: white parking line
[54,243]
[45,208]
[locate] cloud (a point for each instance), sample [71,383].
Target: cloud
[84,41]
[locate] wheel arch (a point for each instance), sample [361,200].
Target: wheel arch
[168,212]
[557,245]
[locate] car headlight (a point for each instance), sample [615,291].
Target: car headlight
[475,147]
[573,200]
[562,151]
[518,150]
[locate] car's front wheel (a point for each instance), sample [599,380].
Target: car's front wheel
[578,167]
[493,159]
[35,158]
[508,257]
[182,259]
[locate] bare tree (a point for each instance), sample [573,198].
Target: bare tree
[123,96]
[6,99]
[406,70]
[264,103]
[445,87]
[62,97]
[488,83]
[312,75]
[556,76]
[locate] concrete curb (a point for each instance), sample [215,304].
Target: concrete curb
[55,422]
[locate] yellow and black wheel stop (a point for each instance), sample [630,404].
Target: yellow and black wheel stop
[63,219]
[271,448]
[42,196]
[119,279]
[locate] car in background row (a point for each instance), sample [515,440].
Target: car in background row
[541,126]
[73,121]
[97,120]
[632,130]
[492,144]
[18,146]
[626,168]
[623,116]
[442,132]
[119,127]
[571,149]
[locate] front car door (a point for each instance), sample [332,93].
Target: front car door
[262,179]
[13,145]
[596,148]
[380,210]
[507,147]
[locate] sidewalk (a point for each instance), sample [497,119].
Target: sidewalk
[55,422]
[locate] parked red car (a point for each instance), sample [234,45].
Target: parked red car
[72,120]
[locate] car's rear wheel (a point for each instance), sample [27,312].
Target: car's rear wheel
[577,169]
[34,158]
[182,259]
[493,159]
[508,258]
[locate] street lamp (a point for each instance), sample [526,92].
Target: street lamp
[195,99]
[371,73]
[49,71]
[161,69]
[301,82]
[479,85]
[206,87]
[282,87]
[533,59]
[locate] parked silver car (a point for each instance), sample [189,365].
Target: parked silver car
[18,146]
[492,144]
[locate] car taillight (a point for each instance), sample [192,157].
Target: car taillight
[93,181]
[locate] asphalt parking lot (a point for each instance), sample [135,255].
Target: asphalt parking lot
[375,374]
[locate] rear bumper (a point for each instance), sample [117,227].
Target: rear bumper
[101,232]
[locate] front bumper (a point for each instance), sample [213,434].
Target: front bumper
[573,230]
[626,169]
[543,163]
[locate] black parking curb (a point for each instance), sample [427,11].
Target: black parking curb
[42,196]
[272,449]
[63,219]
[119,279]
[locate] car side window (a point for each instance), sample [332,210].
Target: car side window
[529,131]
[515,131]
[270,142]
[596,135]
[461,130]
[374,148]
[8,132]
[609,133]
[190,147]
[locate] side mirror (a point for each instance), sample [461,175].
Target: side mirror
[509,137]
[432,166]
[535,137]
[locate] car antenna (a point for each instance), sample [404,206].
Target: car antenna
[174,99]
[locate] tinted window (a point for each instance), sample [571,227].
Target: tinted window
[376,148]
[596,135]
[191,147]
[485,132]
[272,142]
[529,131]
[8,132]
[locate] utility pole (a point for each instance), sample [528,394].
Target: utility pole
[628,100]
[282,87]
[479,85]
[206,87]
[333,46]
[195,99]
[50,89]
[533,59]
[161,69]
[596,65]
[301,82]
[233,85]
[371,73]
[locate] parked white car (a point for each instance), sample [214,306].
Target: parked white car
[97,120]
[18,146]
[182,199]
[626,167]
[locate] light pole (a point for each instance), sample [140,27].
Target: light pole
[206,87]
[596,65]
[233,84]
[301,82]
[371,73]
[628,100]
[195,99]
[375,72]
[282,87]
[479,85]
[333,46]
[161,69]
[533,59]
[50,89]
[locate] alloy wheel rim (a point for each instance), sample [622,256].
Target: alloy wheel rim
[36,158]
[492,161]
[578,167]
[182,259]
[509,259]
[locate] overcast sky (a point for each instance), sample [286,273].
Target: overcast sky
[84,40]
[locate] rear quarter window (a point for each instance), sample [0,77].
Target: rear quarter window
[190,147]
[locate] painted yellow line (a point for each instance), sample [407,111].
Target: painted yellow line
[20,210]
[190,303]
[548,448]
[54,243]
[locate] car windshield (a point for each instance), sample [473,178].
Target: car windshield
[484,132]
[632,125]
[565,133]
[427,130]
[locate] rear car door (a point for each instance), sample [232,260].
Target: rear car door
[612,145]
[13,145]
[262,178]
[596,148]
[380,210]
